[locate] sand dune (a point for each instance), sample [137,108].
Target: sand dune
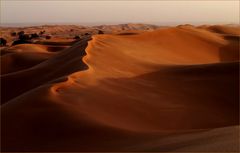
[171,89]
[59,66]
[229,30]
[24,56]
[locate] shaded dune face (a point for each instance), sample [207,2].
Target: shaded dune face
[24,56]
[146,91]
[56,67]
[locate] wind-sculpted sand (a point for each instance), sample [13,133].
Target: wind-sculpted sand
[169,89]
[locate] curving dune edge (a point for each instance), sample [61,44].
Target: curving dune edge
[168,89]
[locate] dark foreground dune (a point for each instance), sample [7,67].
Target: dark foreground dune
[171,89]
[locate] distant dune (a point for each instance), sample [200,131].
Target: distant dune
[134,88]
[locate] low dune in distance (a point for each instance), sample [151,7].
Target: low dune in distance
[133,88]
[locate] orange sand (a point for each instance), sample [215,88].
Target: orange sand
[171,89]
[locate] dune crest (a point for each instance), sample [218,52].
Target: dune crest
[159,90]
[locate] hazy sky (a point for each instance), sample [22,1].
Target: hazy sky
[156,12]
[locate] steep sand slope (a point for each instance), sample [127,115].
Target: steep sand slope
[165,90]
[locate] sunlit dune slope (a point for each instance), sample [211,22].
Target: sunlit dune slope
[144,52]
[165,90]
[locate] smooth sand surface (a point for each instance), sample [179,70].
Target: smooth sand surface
[169,89]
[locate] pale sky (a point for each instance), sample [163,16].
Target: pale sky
[109,12]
